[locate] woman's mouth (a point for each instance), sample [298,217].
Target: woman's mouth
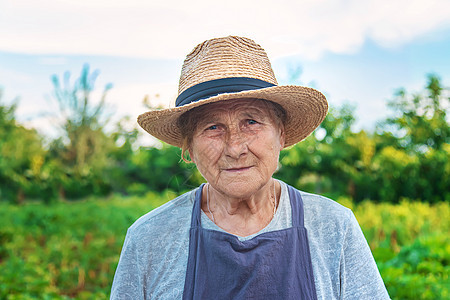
[238,169]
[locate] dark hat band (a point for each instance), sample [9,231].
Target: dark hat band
[215,87]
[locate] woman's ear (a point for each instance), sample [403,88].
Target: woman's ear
[191,155]
[282,138]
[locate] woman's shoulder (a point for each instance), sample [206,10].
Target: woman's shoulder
[171,214]
[327,218]
[322,213]
[314,203]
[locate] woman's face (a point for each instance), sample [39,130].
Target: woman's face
[236,146]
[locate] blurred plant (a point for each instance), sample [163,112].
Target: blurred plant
[81,154]
[21,156]
[406,157]
[324,162]
[420,119]
[413,157]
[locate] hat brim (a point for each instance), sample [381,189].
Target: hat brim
[306,108]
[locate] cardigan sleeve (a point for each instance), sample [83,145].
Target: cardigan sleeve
[128,280]
[359,275]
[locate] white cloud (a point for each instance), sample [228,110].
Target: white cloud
[172,28]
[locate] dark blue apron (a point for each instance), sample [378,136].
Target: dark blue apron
[272,265]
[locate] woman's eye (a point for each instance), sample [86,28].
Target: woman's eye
[212,127]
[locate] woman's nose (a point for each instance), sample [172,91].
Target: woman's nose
[236,143]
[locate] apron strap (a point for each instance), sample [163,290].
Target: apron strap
[196,210]
[296,207]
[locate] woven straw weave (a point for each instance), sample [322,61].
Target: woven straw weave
[225,58]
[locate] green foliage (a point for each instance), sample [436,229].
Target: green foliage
[394,226]
[410,244]
[65,249]
[21,157]
[406,156]
[421,268]
[71,249]
[416,162]
[420,119]
[326,165]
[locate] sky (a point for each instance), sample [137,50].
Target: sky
[356,52]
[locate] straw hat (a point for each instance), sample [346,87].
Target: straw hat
[235,68]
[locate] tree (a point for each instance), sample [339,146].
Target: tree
[413,161]
[21,156]
[406,158]
[325,165]
[82,152]
[420,119]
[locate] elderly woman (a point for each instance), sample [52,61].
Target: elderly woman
[243,234]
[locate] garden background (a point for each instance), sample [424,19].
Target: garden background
[66,202]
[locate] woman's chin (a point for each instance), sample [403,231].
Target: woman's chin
[239,188]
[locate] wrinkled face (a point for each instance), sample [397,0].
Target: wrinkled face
[236,146]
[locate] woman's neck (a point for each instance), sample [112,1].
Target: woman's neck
[242,216]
